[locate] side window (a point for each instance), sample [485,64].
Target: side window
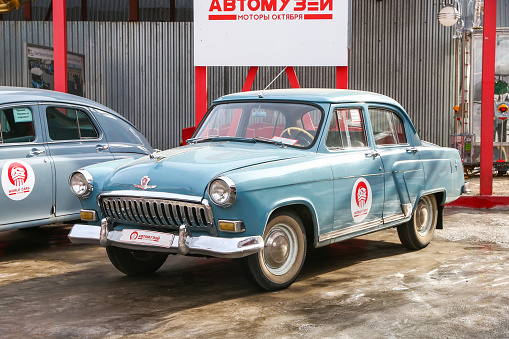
[388,127]
[69,124]
[17,125]
[346,129]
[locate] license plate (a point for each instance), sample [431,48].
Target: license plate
[146,238]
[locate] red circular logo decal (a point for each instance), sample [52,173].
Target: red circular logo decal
[134,235]
[361,194]
[17,174]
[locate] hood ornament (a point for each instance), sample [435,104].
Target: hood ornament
[144,184]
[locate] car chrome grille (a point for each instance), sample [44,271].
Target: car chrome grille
[155,212]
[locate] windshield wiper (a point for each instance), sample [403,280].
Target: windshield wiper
[219,138]
[271,141]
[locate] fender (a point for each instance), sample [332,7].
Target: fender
[409,179]
[289,202]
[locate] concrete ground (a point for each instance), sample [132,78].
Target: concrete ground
[500,184]
[369,287]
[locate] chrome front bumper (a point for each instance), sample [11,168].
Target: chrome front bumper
[182,243]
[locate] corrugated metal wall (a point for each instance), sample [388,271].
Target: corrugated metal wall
[144,71]
[398,49]
[408,56]
[112,10]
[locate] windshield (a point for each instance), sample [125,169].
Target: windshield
[288,123]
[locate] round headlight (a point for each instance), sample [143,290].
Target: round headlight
[222,191]
[81,183]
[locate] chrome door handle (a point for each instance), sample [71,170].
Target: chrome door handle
[35,152]
[372,154]
[412,150]
[101,148]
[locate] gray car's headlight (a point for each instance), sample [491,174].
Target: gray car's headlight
[222,191]
[81,183]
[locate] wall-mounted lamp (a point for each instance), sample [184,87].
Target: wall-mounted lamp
[448,16]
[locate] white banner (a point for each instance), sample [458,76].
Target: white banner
[271,32]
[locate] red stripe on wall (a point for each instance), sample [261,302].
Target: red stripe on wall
[222,17]
[317,16]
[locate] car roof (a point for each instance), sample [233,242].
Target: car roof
[22,94]
[327,95]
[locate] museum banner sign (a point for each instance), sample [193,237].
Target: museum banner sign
[271,32]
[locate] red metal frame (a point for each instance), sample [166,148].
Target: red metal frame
[201,92]
[342,77]
[292,76]
[488,88]
[251,75]
[27,8]
[134,6]
[60,44]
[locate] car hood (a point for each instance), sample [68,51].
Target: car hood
[187,170]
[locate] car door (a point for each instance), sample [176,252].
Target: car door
[74,140]
[358,176]
[403,171]
[26,172]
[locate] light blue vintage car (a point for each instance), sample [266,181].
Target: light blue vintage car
[44,137]
[266,175]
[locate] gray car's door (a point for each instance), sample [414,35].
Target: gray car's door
[26,172]
[74,140]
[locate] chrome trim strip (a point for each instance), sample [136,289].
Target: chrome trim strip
[199,245]
[151,195]
[415,170]
[360,176]
[392,218]
[351,229]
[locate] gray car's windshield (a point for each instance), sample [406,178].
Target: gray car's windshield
[287,123]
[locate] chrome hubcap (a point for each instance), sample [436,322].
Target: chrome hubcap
[280,250]
[277,249]
[422,216]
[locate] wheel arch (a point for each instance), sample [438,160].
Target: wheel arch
[307,214]
[440,196]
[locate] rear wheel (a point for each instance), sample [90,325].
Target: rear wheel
[417,233]
[279,263]
[132,262]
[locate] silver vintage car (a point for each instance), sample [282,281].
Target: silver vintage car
[44,137]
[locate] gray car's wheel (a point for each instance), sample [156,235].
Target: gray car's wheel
[278,264]
[135,262]
[417,233]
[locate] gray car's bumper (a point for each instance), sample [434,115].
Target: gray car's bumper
[182,243]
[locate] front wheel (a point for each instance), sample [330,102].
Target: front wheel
[278,264]
[417,233]
[132,262]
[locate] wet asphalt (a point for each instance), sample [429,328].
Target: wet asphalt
[368,287]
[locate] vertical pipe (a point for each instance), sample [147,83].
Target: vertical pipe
[60,44]
[488,90]
[200,75]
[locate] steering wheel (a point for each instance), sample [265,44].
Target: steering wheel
[298,133]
